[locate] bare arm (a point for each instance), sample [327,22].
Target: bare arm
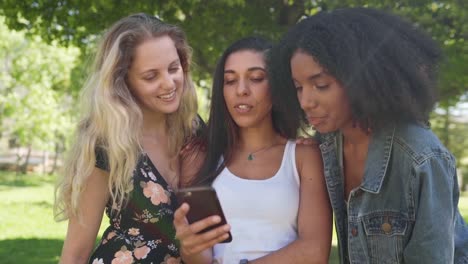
[81,237]
[315,216]
[195,248]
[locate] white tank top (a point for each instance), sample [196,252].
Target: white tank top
[262,213]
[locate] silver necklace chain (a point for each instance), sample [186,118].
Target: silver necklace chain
[251,154]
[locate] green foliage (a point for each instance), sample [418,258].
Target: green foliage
[452,133]
[35,85]
[447,22]
[452,129]
[464,177]
[212,25]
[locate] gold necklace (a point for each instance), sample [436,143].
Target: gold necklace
[251,154]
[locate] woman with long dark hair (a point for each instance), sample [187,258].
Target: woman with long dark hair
[272,192]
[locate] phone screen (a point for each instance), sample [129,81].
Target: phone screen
[203,203]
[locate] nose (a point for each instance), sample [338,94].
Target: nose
[242,88]
[167,81]
[307,100]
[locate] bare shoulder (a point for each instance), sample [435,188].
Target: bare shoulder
[308,153]
[309,161]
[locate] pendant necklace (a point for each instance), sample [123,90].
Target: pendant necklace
[251,154]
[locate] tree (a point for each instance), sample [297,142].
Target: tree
[34,96]
[212,25]
[79,23]
[451,128]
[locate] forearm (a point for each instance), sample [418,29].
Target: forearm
[81,234]
[78,243]
[299,251]
[204,257]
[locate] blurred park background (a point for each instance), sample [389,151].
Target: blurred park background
[46,47]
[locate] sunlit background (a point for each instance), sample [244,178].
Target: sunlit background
[45,50]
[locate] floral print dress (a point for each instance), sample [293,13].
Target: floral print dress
[142,232]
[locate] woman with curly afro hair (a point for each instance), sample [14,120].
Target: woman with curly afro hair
[365,80]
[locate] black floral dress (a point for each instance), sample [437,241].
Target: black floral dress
[142,232]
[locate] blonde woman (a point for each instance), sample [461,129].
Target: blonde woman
[139,107]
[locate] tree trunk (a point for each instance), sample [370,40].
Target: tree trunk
[54,165]
[446,128]
[24,167]
[45,161]
[18,160]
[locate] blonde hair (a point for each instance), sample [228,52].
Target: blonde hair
[112,119]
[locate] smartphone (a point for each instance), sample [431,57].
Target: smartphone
[203,203]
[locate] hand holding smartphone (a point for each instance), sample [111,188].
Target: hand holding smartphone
[203,203]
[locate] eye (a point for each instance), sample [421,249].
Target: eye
[229,82]
[257,79]
[322,87]
[297,86]
[149,77]
[174,69]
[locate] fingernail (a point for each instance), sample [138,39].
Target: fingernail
[216,219]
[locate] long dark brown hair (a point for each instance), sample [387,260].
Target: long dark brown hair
[221,135]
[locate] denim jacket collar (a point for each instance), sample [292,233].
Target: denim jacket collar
[377,160]
[378,156]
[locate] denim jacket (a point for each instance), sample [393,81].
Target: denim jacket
[406,208]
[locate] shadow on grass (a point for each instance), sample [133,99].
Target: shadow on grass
[43,204]
[11,179]
[47,251]
[30,250]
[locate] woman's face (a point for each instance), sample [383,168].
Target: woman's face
[156,77]
[246,90]
[321,96]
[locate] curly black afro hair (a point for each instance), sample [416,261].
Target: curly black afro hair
[387,65]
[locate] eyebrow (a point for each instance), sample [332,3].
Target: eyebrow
[249,69]
[176,61]
[313,76]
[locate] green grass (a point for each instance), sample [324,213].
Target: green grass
[28,233]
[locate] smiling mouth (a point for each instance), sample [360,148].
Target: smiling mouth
[243,107]
[167,96]
[314,121]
